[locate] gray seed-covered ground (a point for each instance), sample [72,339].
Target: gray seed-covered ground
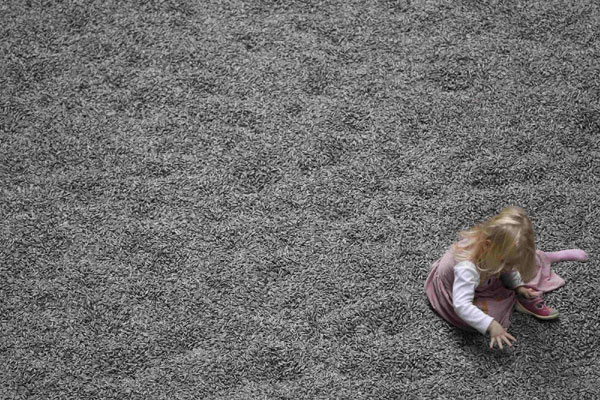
[242,199]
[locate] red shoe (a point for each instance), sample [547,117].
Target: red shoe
[535,307]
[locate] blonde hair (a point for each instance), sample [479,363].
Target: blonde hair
[502,243]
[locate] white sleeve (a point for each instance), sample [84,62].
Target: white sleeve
[466,279]
[512,280]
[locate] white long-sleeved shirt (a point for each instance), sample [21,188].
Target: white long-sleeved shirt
[512,280]
[466,279]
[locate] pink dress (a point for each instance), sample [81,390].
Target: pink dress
[491,296]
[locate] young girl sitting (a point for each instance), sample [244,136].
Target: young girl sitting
[491,269]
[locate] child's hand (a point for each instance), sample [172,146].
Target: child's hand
[528,293]
[499,334]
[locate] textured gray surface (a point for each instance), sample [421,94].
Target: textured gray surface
[242,200]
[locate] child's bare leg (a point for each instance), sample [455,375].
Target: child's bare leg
[567,255]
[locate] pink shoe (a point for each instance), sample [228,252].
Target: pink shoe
[535,307]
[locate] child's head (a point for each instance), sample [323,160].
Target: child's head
[503,243]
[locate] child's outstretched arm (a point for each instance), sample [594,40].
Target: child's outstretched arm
[466,279]
[499,334]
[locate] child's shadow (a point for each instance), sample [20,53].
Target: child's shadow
[522,326]
[478,345]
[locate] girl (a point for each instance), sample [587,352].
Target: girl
[491,269]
